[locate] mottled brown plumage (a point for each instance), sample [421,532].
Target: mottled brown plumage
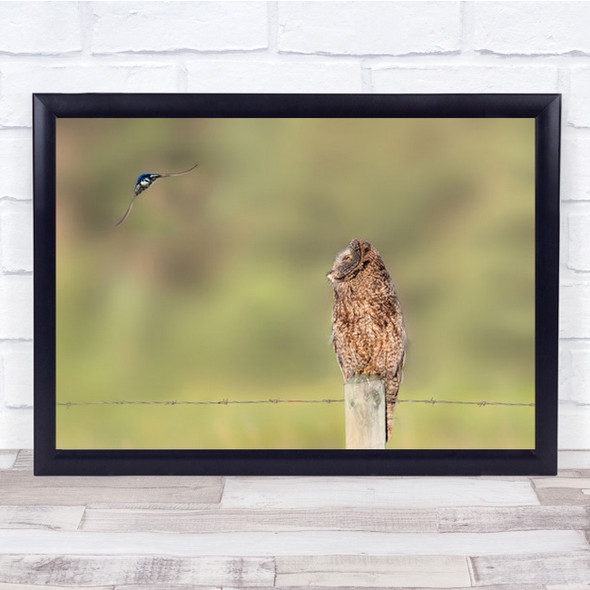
[367,324]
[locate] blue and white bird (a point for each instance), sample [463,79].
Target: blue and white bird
[143,182]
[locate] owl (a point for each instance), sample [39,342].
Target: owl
[367,324]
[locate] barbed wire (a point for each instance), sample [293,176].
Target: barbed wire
[225,402]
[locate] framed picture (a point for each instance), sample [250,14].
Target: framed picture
[296,284]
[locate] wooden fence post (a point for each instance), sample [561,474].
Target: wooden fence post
[364,412]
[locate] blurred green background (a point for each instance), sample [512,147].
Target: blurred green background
[214,287]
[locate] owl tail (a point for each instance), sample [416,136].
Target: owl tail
[392,383]
[391,388]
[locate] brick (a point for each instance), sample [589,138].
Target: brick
[575,311]
[573,428]
[16,236]
[575,376]
[17,361]
[273,76]
[172,26]
[460,79]
[16,429]
[46,28]
[16,307]
[20,81]
[531,28]
[575,166]
[579,242]
[16,163]
[369,28]
[578,114]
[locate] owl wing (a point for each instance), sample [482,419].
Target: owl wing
[339,356]
[399,372]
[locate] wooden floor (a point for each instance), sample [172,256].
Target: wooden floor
[131,533]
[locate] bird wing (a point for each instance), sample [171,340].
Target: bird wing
[126,212]
[179,173]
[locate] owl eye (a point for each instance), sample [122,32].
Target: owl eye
[348,258]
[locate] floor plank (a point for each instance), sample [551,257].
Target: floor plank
[389,585]
[542,568]
[561,482]
[567,496]
[447,520]
[24,460]
[29,542]
[11,586]
[242,520]
[176,587]
[20,487]
[81,571]
[574,459]
[54,518]
[367,571]
[519,518]
[569,473]
[8,459]
[382,492]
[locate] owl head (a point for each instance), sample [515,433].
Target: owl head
[350,261]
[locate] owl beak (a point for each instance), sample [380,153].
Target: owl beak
[330,276]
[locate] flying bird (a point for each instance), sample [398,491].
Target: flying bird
[143,182]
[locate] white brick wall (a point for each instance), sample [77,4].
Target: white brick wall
[464,78]
[261,74]
[371,28]
[446,46]
[16,236]
[127,27]
[521,28]
[15,159]
[25,28]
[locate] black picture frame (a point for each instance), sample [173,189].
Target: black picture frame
[544,108]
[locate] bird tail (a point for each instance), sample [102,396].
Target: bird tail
[392,382]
